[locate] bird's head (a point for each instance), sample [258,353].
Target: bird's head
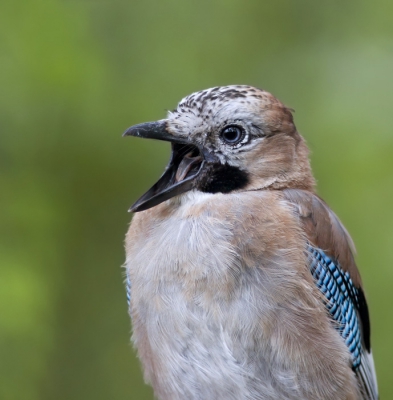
[226,139]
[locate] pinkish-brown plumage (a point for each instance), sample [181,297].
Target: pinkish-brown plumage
[225,300]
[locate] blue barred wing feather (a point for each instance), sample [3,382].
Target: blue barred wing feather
[347,308]
[128,289]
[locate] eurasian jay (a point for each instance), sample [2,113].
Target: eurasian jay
[242,281]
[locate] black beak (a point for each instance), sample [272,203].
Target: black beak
[153,130]
[184,166]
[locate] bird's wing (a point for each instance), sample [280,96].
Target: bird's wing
[330,256]
[128,288]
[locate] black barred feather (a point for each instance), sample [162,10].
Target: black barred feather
[348,310]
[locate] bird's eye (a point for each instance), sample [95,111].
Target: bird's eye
[232,134]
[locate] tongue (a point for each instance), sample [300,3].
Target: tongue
[185,166]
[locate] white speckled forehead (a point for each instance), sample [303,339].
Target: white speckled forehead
[222,94]
[212,108]
[224,99]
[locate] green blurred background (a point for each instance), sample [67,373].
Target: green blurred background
[75,74]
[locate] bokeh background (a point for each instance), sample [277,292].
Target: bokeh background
[74,74]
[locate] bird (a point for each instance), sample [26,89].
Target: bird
[242,282]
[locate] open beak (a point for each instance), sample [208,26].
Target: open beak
[184,166]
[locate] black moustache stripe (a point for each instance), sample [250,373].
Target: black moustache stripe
[223,178]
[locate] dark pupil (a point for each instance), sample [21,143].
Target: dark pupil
[231,134]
